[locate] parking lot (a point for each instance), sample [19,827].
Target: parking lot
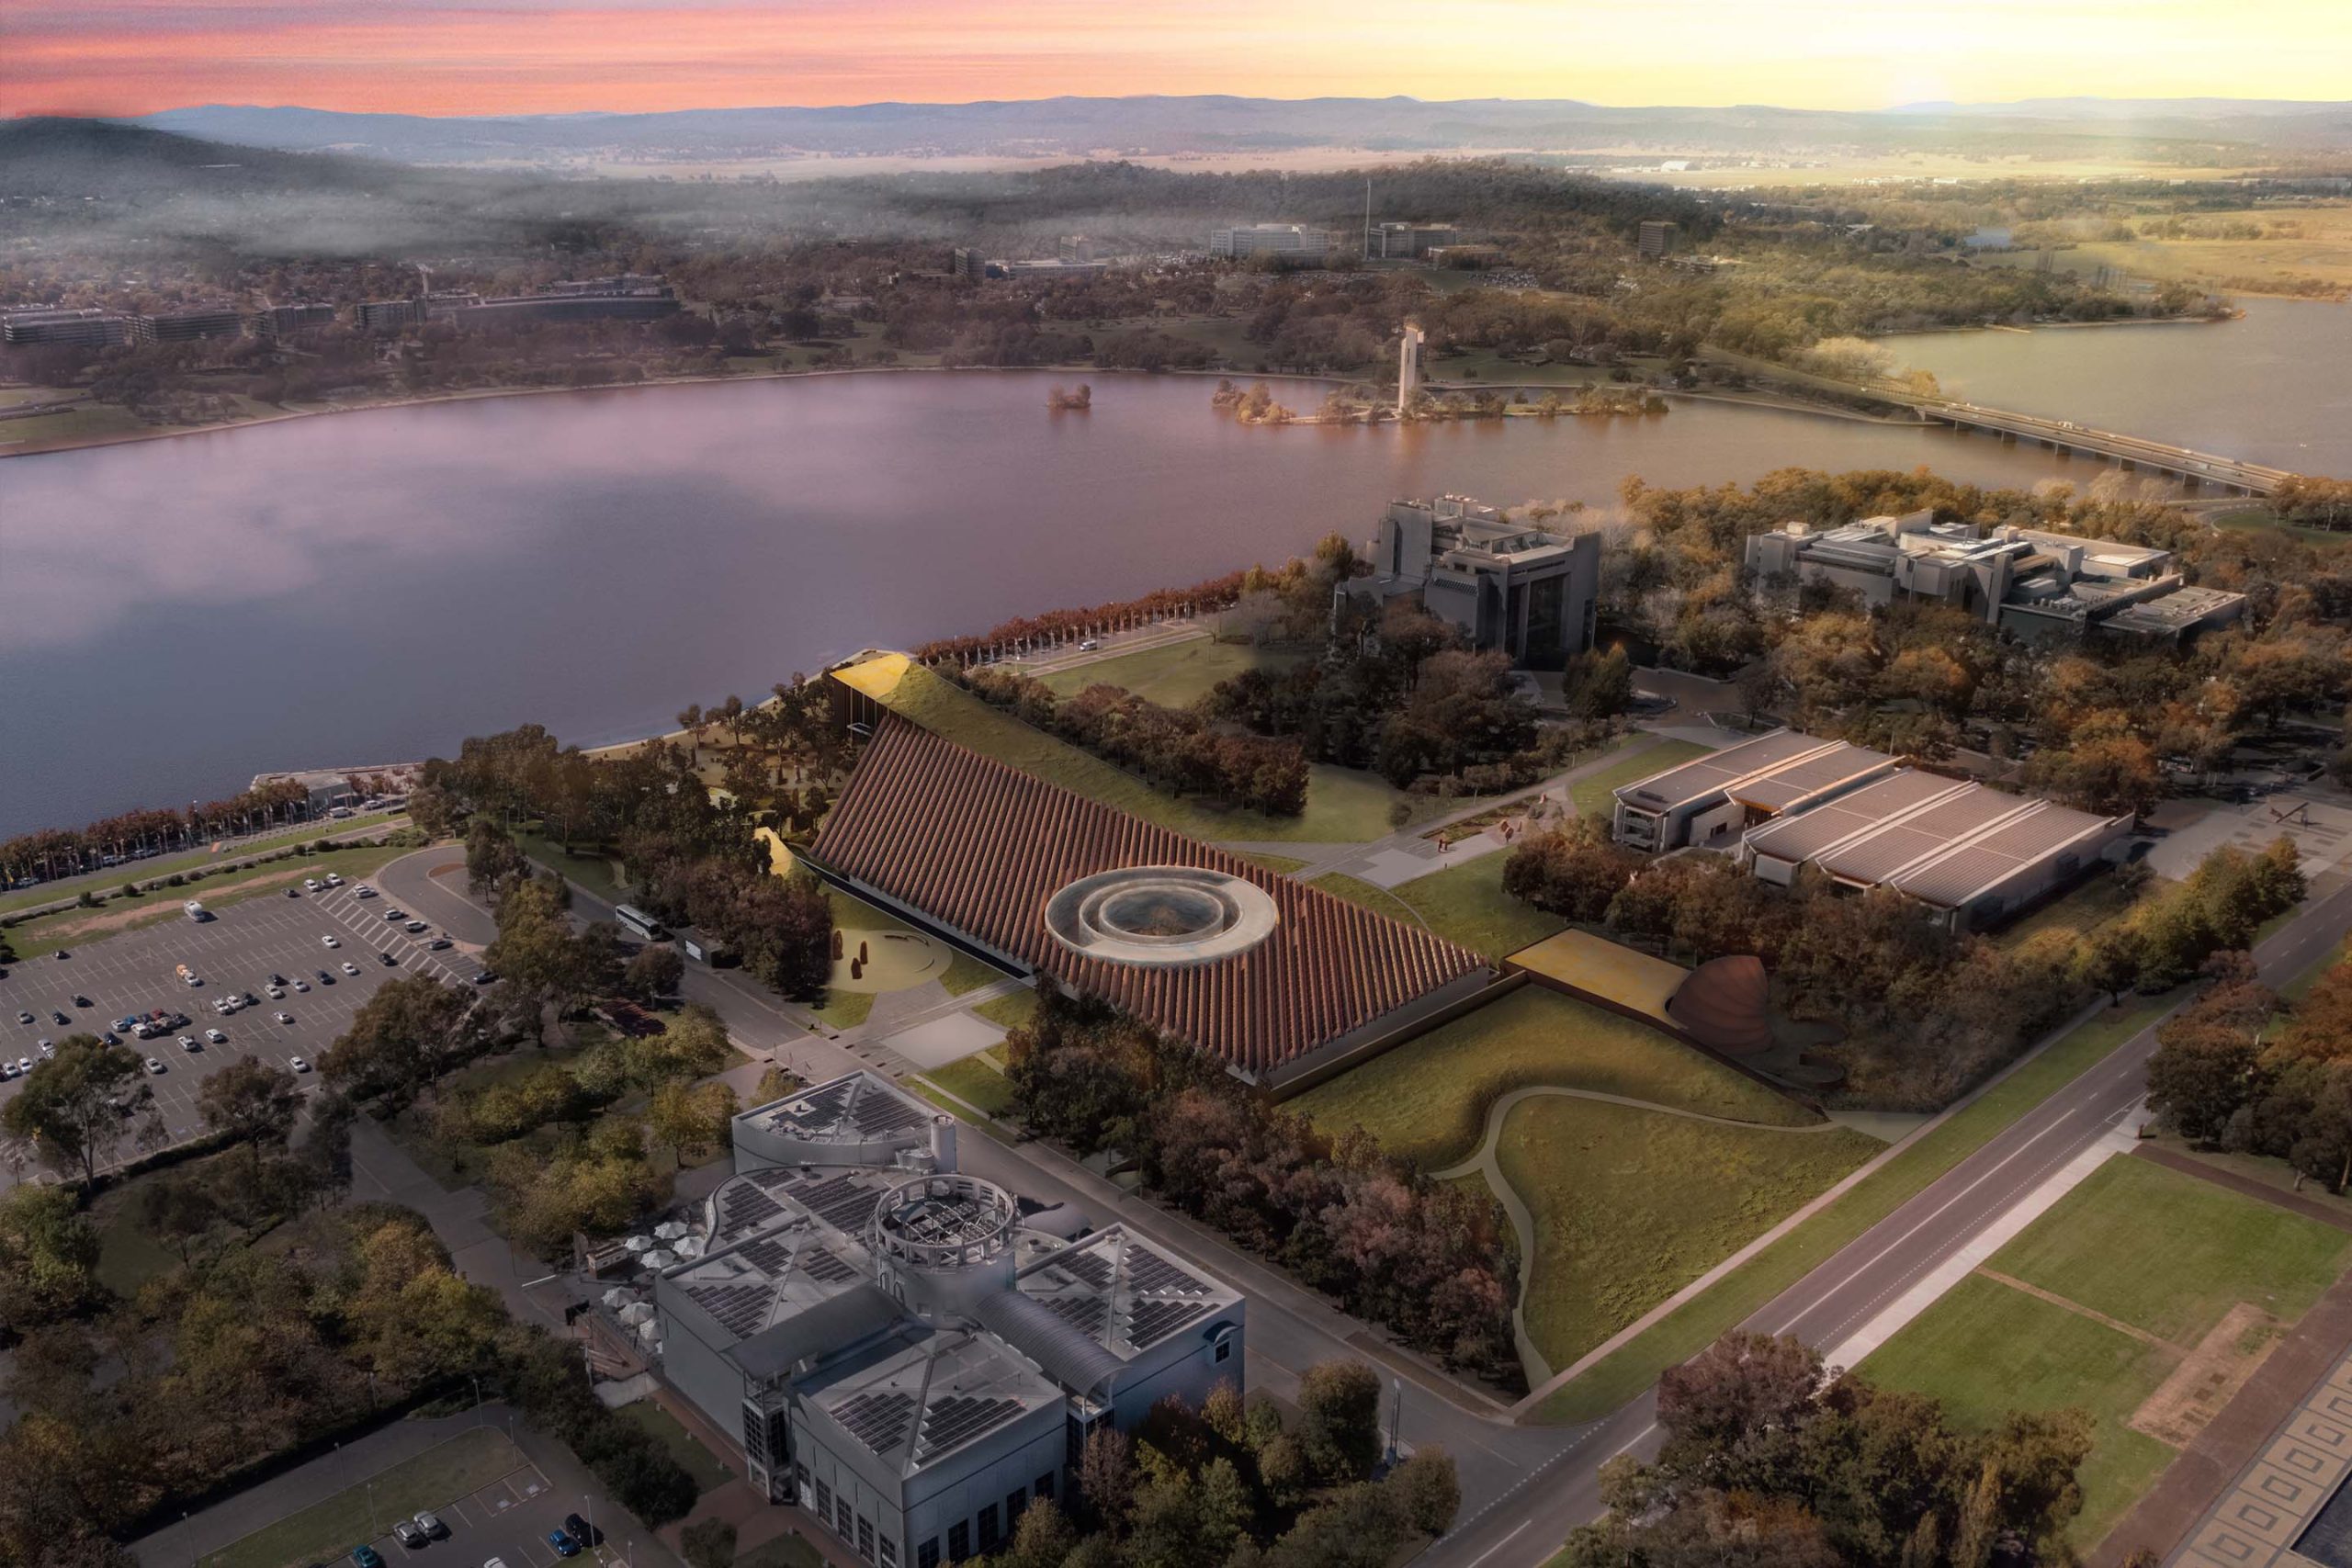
[508,1520]
[234,952]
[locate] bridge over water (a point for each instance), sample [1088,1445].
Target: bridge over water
[2202,469]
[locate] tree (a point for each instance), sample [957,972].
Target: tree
[690,720]
[1043,1538]
[49,1257]
[710,1543]
[686,1116]
[491,855]
[412,1029]
[2200,1074]
[2107,961]
[251,1102]
[77,1107]
[654,973]
[177,1207]
[1106,1478]
[1428,1490]
[1339,1407]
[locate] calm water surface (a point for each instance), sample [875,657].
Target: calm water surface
[179,615]
[2275,388]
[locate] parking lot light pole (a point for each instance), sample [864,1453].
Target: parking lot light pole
[590,1504]
[476,1382]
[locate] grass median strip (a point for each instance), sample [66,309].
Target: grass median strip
[1623,1375]
[329,1529]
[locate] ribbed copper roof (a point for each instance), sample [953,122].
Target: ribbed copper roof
[980,846]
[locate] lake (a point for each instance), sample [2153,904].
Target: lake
[2275,388]
[373,587]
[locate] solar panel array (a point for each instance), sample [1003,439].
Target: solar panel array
[876,1113]
[1149,1271]
[1088,1314]
[768,1255]
[739,1309]
[824,1267]
[742,1206]
[1088,1265]
[1149,1322]
[844,1203]
[867,1111]
[960,1417]
[880,1421]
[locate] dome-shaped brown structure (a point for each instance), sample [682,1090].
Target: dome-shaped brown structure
[1723,1005]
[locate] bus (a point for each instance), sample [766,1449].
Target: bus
[633,919]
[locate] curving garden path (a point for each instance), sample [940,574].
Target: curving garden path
[1484,1164]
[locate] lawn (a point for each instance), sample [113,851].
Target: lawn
[189,859]
[2080,910]
[1987,1349]
[709,1472]
[1429,1098]
[1343,804]
[1690,1328]
[1629,1206]
[1463,903]
[593,872]
[79,927]
[977,1083]
[1010,1012]
[2169,1253]
[965,973]
[1175,674]
[1594,794]
[1280,865]
[325,1530]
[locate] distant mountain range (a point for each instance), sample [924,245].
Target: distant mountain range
[2187,130]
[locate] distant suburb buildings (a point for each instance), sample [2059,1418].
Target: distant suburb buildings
[1397,241]
[627,297]
[2032,583]
[1785,801]
[1530,593]
[905,1355]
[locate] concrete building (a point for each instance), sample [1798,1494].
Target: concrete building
[1076,248]
[1657,238]
[53,324]
[1470,257]
[965,262]
[1711,800]
[1518,589]
[188,326]
[1295,241]
[1399,242]
[279,321]
[388,315]
[1972,854]
[1408,367]
[1050,266]
[2026,581]
[911,1354]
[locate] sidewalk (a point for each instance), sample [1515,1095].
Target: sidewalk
[382,1171]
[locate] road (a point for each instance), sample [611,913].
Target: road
[1525,1488]
[1852,1287]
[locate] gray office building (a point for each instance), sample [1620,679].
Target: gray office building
[188,326]
[1510,587]
[52,324]
[913,1355]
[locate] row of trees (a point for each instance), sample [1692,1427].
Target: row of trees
[1771,1460]
[1054,627]
[2227,1074]
[1173,748]
[1424,1257]
[48,853]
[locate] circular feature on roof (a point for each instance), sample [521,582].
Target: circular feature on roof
[946,1222]
[1160,916]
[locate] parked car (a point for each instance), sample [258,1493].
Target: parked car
[312,883]
[82,1001]
[367,1557]
[277,993]
[564,1545]
[392,960]
[408,1535]
[349,967]
[301,985]
[216,1037]
[332,941]
[396,914]
[23,1015]
[430,1523]
[581,1530]
[153,1066]
[415,926]
[284,1018]
[298,1065]
[57,1016]
[325,978]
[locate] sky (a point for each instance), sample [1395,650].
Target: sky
[451,57]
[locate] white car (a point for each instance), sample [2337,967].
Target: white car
[284,1018]
[187,1043]
[298,1065]
[362,891]
[334,880]
[277,993]
[153,1066]
[301,985]
[24,1065]
[349,967]
[312,883]
[332,941]
[216,1037]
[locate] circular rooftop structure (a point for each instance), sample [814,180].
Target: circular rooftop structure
[1160,916]
[944,1223]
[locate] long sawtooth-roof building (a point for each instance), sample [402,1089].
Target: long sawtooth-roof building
[1280,980]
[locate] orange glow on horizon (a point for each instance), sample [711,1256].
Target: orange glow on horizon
[454,57]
